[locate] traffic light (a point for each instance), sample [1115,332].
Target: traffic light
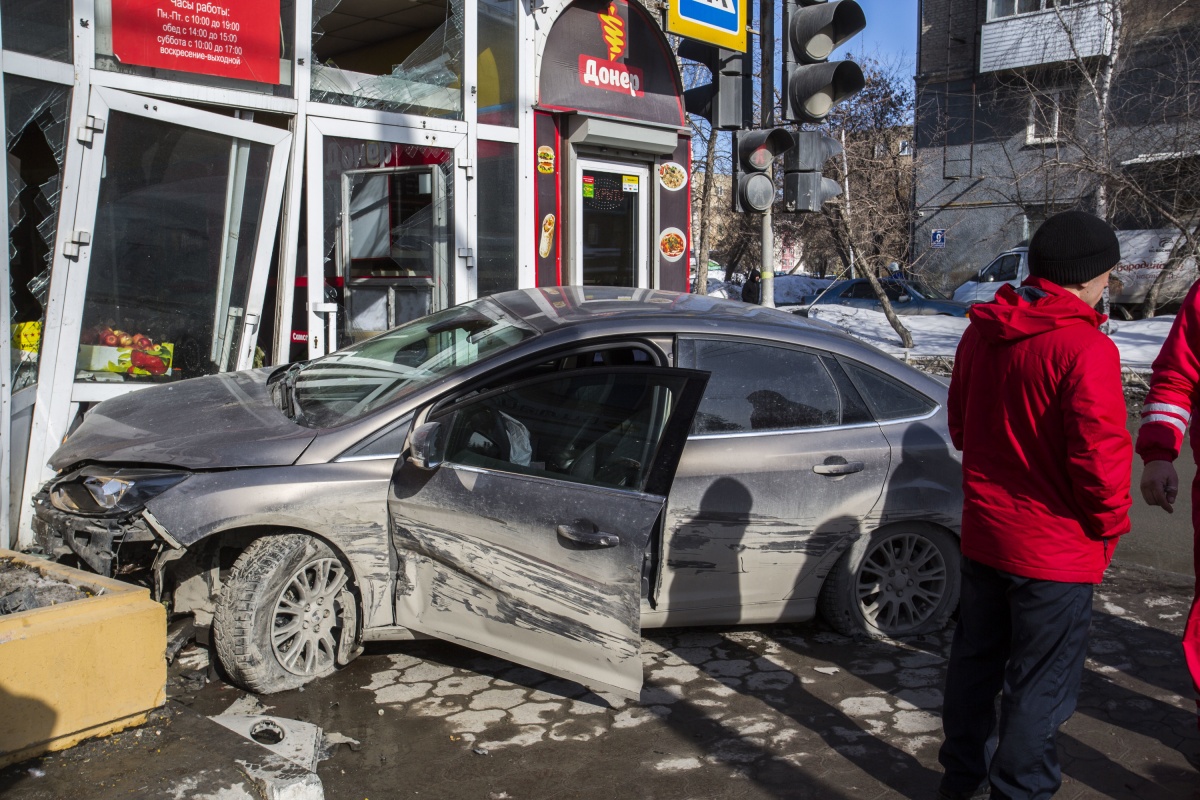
[814,29]
[804,188]
[754,152]
[726,102]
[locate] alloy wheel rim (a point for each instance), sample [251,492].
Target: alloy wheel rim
[901,583]
[307,618]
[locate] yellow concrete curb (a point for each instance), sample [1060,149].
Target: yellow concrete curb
[76,670]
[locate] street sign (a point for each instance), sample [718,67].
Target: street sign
[719,22]
[937,237]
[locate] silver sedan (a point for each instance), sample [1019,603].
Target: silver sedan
[538,475]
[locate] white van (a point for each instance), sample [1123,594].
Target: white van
[1143,256]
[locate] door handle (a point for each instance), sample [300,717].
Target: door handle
[578,533]
[847,468]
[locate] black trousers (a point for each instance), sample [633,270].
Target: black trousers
[1026,640]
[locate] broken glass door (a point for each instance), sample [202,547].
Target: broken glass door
[177,241]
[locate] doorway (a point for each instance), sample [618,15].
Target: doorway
[611,224]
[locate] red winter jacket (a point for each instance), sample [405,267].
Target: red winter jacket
[1173,387]
[1037,408]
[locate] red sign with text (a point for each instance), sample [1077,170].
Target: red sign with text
[229,38]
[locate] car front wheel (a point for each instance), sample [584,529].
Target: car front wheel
[899,581]
[286,615]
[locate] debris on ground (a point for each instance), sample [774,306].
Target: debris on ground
[24,588]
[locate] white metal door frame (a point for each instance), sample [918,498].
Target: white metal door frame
[322,322]
[57,392]
[575,226]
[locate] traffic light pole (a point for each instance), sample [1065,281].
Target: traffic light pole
[766,41]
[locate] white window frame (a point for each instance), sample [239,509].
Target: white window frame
[1043,6]
[1039,102]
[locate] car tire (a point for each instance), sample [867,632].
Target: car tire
[863,596]
[288,614]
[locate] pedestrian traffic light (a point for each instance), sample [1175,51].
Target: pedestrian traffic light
[726,102]
[804,188]
[754,152]
[814,29]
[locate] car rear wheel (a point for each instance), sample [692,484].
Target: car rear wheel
[899,581]
[287,614]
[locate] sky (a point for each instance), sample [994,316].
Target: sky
[891,33]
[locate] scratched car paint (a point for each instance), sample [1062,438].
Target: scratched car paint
[537,475]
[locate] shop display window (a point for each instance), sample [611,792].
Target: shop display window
[497,217]
[176,229]
[35,114]
[394,55]
[497,67]
[248,45]
[389,230]
[37,27]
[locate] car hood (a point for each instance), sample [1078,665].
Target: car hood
[215,422]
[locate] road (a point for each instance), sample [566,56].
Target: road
[785,711]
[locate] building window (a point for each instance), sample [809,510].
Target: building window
[999,9]
[1048,118]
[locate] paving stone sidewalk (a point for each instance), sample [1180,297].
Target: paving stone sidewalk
[785,711]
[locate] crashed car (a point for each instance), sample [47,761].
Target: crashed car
[537,475]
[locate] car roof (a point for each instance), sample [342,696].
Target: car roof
[617,310]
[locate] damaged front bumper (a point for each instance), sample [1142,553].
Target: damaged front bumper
[97,542]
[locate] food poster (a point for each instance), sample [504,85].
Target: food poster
[672,185]
[548,219]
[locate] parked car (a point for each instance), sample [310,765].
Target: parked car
[1144,255]
[537,475]
[907,296]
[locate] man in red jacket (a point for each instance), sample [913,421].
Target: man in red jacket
[1165,417]
[1036,407]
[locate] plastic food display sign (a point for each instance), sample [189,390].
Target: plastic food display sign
[229,38]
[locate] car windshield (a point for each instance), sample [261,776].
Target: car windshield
[345,385]
[926,291]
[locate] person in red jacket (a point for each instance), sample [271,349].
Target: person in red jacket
[1165,416]
[1037,409]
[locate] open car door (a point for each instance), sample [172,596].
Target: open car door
[521,517]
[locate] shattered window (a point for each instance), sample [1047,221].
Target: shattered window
[389,232]
[497,79]
[35,115]
[248,45]
[395,55]
[37,27]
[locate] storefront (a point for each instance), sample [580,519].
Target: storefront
[202,186]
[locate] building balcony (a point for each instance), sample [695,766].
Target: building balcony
[1045,37]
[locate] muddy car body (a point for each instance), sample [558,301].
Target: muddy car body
[727,464]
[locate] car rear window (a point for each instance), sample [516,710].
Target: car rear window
[888,398]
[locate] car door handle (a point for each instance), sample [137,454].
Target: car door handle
[848,468]
[580,533]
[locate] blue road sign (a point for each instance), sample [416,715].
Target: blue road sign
[719,22]
[937,237]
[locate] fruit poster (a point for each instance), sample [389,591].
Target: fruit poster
[230,38]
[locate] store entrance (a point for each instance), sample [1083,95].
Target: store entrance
[611,224]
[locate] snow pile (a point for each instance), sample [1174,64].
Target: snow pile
[1138,341]
[726,291]
[789,289]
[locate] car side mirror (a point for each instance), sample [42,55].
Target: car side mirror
[425,446]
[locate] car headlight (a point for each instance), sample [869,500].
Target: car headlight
[109,492]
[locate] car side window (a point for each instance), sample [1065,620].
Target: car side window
[1003,268]
[754,387]
[854,408]
[387,444]
[861,291]
[595,426]
[888,399]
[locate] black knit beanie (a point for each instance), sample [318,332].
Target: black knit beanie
[1073,247]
